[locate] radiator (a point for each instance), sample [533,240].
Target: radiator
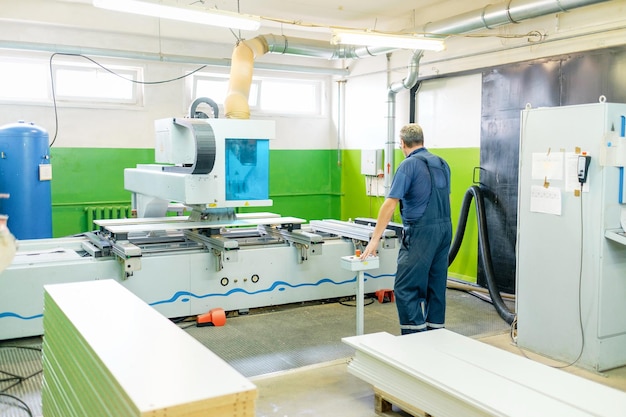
[106,212]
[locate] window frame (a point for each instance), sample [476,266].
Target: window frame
[43,99]
[124,71]
[66,62]
[318,85]
[258,81]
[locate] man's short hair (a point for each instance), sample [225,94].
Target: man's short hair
[412,135]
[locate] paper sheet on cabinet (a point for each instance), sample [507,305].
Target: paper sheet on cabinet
[545,200]
[547,166]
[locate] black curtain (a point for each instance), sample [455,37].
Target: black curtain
[558,81]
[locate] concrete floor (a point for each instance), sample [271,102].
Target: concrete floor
[286,337]
[325,389]
[615,378]
[295,356]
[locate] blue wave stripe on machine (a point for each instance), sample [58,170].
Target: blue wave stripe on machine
[17,316]
[273,287]
[180,294]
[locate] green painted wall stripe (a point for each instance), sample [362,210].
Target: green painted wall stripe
[462,162]
[310,184]
[303,184]
[87,177]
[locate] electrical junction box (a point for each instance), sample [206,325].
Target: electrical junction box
[374,186]
[371,162]
[354,263]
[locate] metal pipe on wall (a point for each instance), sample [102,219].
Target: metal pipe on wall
[148,56]
[280,44]
[494,15]
[341,117]
[406,84]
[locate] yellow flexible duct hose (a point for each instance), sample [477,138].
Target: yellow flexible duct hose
[242,63]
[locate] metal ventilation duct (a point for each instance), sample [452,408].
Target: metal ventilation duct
[487,17]
[279,44]
[494,15]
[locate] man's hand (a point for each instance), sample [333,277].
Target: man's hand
[384,216]
[371,248]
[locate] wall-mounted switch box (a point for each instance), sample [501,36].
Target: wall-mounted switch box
[371,161]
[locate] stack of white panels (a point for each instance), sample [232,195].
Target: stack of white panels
[446,374]
[107,353]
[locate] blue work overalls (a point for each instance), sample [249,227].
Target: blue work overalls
[421,277]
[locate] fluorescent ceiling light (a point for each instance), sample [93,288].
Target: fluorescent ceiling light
[355,37]
[211,17]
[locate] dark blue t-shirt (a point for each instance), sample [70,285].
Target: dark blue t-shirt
[412,185]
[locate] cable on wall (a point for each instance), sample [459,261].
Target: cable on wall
[110,71]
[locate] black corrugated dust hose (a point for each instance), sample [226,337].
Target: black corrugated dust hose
[484,251]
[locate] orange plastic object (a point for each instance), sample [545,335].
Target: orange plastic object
[215,317]
[385,296]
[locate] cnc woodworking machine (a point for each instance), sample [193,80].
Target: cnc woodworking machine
[214,257]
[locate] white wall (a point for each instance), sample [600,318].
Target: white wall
[449,111]
[111,126]
[78,27]
[449,108]
[367,101]
[46,24]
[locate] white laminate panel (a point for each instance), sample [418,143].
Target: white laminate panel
[157,364]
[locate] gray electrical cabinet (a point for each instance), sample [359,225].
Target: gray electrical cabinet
[571,249]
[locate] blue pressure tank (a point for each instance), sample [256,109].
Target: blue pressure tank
[25,174]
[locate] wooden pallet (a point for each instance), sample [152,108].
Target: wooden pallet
[384,402]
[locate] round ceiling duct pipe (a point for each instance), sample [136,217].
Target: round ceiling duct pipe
[280,44]
[494,15]
[242,63]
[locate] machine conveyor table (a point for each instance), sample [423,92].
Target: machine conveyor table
[105,223]
[122,231]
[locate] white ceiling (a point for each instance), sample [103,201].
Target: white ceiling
[354,13]
[384,15]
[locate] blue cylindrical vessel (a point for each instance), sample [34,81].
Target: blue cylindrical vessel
[25,175]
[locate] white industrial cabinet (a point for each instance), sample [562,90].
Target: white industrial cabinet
[571,257]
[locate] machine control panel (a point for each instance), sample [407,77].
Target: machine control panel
[354,263]
[583,168]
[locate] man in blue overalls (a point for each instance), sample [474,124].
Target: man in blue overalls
[422,187]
